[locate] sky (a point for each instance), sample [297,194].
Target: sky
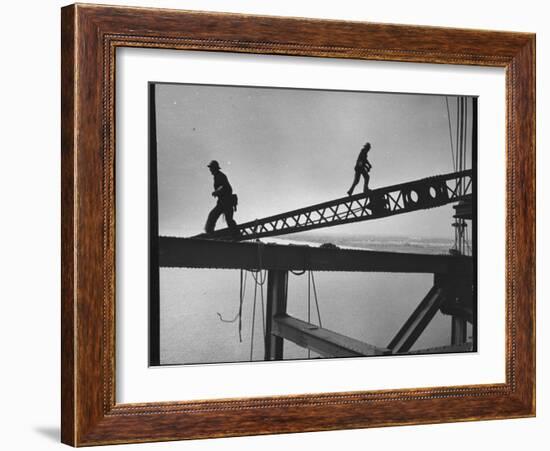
[284,149]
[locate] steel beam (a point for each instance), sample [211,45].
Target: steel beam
[458,330]
[464,347]
[459,299]
[277,292]
[463,210]
[322,341]
[406,197]
[194,253]
[417,322]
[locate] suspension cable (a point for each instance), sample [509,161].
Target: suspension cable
[465,133]
[450,132]
[457,131]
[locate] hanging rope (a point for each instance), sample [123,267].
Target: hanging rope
[298,273]
[263,308]
[259,281]
[239,313]
[311,284]
[257,274]
[253,320]
[316,300]
[260,278]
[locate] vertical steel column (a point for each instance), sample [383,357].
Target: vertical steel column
[277,285]
[458,330]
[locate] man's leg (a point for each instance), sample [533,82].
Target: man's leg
[228,213]
[366,178]
[356,177]
[213,218]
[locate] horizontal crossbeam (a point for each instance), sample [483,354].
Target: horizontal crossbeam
[448,349]
[379,203]
[195,253]
[322,341]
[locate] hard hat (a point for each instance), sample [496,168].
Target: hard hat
[214,164]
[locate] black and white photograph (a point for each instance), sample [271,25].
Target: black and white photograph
[293,224]
[236,225]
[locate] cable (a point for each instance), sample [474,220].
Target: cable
[239,313]
[253,321]
[298,273]
[263,308]
[457,129]
[316,300]
[259,281]
[450,132]
[308,306]
[465,132]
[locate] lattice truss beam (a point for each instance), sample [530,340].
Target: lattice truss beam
[388,201]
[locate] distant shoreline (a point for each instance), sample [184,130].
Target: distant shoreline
[373,243]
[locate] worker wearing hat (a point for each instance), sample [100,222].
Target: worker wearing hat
[362,168]
[226,200]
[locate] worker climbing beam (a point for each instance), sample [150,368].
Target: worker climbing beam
[406,197]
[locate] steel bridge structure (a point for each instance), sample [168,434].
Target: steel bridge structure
[392,200]
[452,292]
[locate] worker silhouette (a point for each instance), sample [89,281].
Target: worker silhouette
[362,168]
[226,200]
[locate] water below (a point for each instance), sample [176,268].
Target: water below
[370,307]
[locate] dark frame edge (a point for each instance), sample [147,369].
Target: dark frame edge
[68,239]
[524,133]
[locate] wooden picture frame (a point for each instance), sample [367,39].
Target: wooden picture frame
[90,36]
